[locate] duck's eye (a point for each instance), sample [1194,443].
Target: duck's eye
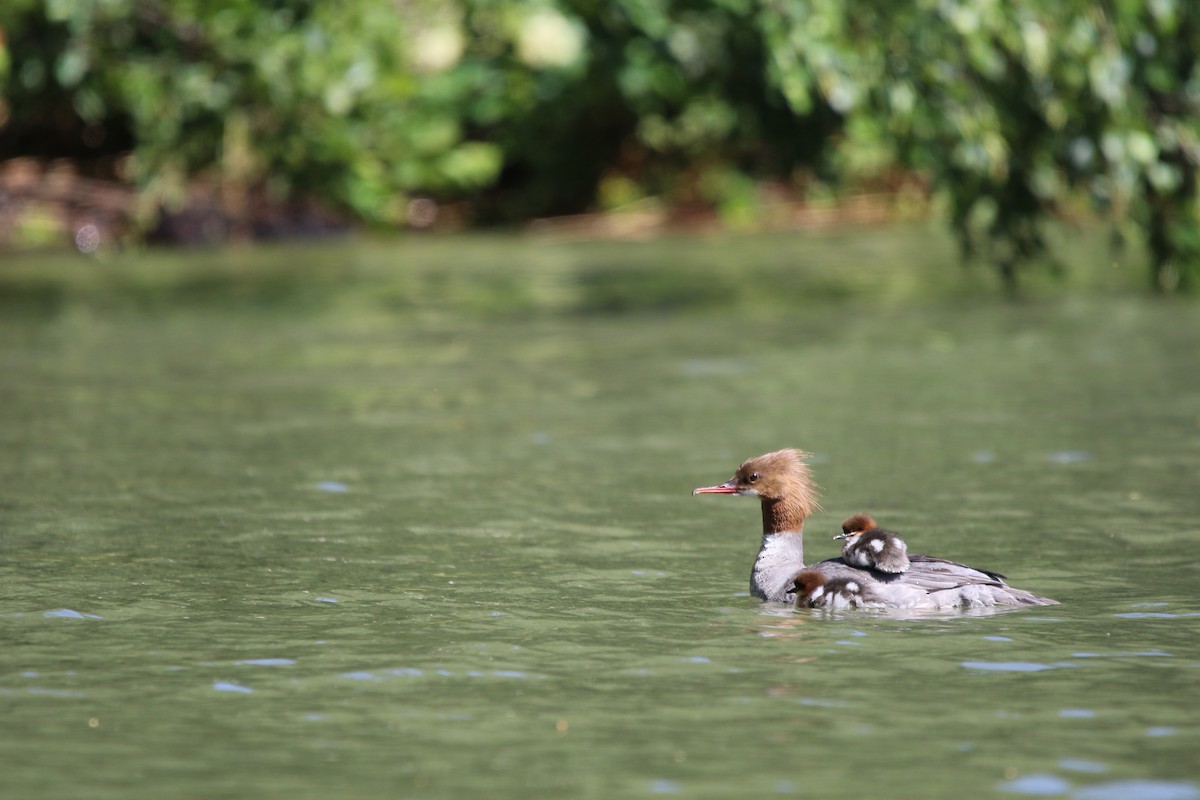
[752,477]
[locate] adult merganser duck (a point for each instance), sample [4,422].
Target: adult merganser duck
[870,546]
[780,480]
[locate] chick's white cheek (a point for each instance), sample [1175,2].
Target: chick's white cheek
[748,493]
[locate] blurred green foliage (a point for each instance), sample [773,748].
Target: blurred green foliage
[1013,113]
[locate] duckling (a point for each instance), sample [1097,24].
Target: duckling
[815,589]
[872,547]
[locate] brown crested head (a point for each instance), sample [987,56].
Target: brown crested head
[807,581]
[858,523]
[781,481]
[781,475]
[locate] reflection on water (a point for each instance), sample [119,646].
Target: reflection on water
[226,686]
[1045,785]
[322,554]
[66,613]
[1015,666]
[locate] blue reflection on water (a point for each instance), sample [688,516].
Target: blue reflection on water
[1069,457]
[663,786]
[1161,730]
[1046,784]
[1039,784]
[415,672]
[227,686]
[1139,790]
[66,613]
[1014,666]
[1143,654]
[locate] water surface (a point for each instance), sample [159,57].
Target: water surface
[318,547]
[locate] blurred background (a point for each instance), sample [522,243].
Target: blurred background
[124,121]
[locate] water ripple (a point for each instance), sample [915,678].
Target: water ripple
[1068,456]
[1039,784]
[1161,730]
[227,686]
[1139,789]
[66,613]
[1142,654]
[1015,666]
[715,367]
[1046,785]
[54,692]
[663,786]
[415,672]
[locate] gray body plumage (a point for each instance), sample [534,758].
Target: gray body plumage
[928,583]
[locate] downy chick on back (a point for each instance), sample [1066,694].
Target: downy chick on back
[867,545]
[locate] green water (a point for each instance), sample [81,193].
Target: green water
[414,520]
